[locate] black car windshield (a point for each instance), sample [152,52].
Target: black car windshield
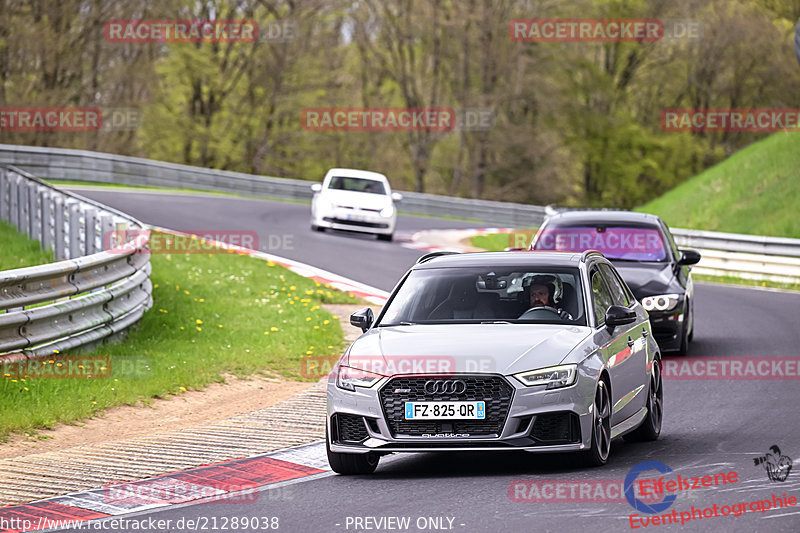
[628,243]
[344,183]
[526,295]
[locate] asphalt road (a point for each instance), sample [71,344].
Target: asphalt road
[710,426]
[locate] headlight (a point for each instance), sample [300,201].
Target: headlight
[663,302]
[348,378]
[554,376]
[387,211]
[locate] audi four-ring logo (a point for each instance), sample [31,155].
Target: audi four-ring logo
[445,386]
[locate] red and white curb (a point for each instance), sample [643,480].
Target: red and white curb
[366,292]
[237,481]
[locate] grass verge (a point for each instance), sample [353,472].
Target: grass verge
[755,191]
[213,314]
[497,242]
[17,251]
[747,282]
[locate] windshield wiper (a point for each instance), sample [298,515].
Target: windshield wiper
[398,324]
[496,322]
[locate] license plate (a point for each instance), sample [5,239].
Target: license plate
[445,410]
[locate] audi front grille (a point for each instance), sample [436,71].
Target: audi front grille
[494,390]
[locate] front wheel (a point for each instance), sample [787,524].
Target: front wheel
[598,454]
[350,464]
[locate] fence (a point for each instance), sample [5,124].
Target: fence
[96,289]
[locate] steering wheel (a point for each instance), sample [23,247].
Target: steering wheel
[534,311]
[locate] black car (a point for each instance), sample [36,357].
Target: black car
[643,250]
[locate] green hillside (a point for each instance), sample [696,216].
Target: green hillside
[755,191]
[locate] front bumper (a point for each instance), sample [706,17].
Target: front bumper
[356,220]
[668,327]
[517,417]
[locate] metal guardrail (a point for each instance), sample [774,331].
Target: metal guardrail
[62,163]
[99,287]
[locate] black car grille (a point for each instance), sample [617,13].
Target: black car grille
[556,428]
[494,390]
[349,428]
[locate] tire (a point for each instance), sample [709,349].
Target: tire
[690,338]
[383,237]
[317,228]
[351,464]
[598,454]
[650,428]
[684,347]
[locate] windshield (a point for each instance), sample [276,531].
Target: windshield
[471,295]
[628,243]
[344,183]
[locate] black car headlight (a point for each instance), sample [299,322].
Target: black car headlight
[661,302]
[554,377]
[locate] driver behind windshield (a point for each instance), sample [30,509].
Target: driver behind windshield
[541,294]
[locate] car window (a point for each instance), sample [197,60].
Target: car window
[465,295]
[615,241]
[671,240]
[345,183]
[618,293]
[601,299]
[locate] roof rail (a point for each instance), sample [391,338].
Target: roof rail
[428,257]
[586,253]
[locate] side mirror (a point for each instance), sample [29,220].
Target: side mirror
[317,187]
[619,316]
[363,318]
[397,197]
[689,257]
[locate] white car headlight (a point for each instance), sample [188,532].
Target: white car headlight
[662,302]
[348,378]
[554,376]
[387,211]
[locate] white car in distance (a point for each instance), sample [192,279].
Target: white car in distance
[355,200]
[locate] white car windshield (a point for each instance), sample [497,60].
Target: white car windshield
[345,183]
[472,295]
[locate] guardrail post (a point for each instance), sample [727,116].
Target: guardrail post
[33,211]
[74,230]
[22,205]
[3,194]
[90,218]
[44,220]
[59,240]
[13,198]
[107,232]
